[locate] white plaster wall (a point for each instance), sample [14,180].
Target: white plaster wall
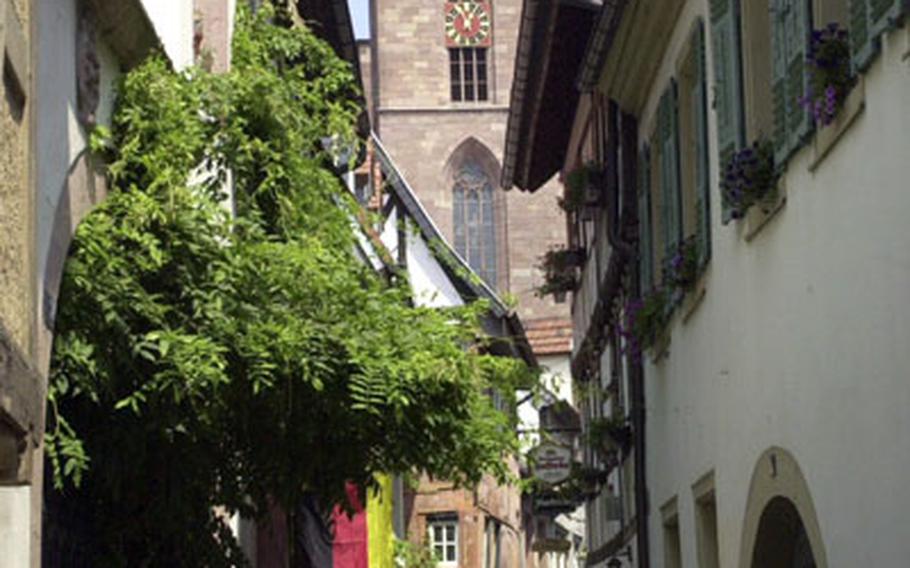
[15,520]
[60,139]
[801,341]
[557,375]
[432,287]
[173,21]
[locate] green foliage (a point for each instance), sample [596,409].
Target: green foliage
[581,188]
[608,434]
[202,360]
[644,318]
[558,266]
[410,555]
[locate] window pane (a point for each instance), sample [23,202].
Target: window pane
[437,534]
[469,75]
[458,220]
[488,237]
[450,533]
[481,55]
[473,214]
[482,92]
[450,553]
[455,73]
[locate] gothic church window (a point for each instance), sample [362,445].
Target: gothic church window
[468,74]
[474,220]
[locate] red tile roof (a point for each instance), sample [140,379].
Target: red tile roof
[549,336]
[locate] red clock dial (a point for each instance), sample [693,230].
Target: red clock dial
[468,24]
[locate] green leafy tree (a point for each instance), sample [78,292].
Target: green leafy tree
[205,360]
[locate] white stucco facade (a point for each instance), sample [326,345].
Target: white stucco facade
[801,342]
[173,21]
[784,372]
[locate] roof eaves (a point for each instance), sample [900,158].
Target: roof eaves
[519,110]
[544,50]
[600,43]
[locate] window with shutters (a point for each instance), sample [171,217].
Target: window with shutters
[693,146]
[645,232]
[728,100]
[468,74]
[660,203]
[868,21]
[670,196]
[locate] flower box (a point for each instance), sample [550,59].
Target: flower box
[748,177]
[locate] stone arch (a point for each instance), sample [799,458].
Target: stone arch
[780,528]
[473,172]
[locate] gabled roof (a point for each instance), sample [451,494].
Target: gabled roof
[504,323]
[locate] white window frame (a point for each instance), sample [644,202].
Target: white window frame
[444,522]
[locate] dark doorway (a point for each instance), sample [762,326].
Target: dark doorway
[782,541]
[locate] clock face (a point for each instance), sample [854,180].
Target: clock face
[468,24]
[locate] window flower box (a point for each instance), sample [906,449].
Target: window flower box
[830,74]
[748,177]
[682,267]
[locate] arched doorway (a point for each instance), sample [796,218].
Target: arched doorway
[782,541]
[780,527]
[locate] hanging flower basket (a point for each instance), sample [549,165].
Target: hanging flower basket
[748,177]
[830,73]
[559,267]
[583,191]
[610,435]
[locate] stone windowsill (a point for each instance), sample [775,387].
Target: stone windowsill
[694,297]
[760,214]
[827,137]
[661,346]
[687,306]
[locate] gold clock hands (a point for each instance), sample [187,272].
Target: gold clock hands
[466,10]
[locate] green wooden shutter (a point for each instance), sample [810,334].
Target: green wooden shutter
[671,198]
[702,162]
[886,14]
[862,45]
[646,256]
[799,30]
[868,20]
[792,24]
[728,90]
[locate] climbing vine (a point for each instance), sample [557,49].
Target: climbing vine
[209,361]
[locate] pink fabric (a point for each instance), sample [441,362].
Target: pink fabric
[349,549]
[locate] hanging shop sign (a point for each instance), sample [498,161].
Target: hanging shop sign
[554,463]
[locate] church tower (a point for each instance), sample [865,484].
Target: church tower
[437,77]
